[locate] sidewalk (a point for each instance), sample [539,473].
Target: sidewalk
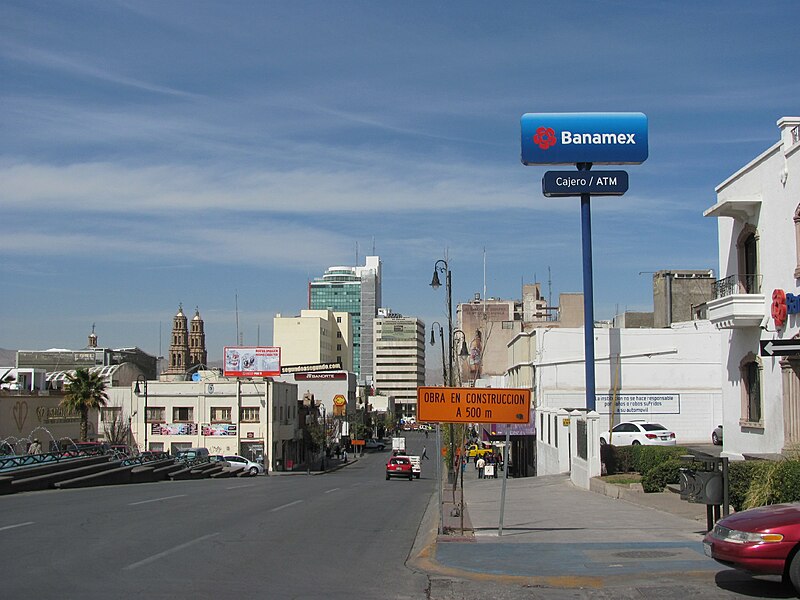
[557,535]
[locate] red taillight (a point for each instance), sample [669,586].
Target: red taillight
[672,436]
[650,436]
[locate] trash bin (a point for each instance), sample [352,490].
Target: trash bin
[289,465]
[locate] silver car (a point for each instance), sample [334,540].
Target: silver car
[240,462]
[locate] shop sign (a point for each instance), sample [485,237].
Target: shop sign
[783,304]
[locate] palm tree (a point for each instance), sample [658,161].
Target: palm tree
[85,391]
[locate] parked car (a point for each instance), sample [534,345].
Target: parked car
[633,433]
[372,444]
[399,466]
[192,454]
[251,467]
[762,541]
[716,436]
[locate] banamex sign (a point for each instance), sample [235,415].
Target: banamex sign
[570,138]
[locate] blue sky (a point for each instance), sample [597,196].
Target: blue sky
[155,153]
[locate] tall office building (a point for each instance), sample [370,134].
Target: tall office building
[399,359]
[357,291]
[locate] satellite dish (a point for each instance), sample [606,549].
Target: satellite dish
[195,376]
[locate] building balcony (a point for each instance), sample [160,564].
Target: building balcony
[738,302]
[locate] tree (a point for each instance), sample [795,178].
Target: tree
[85,391]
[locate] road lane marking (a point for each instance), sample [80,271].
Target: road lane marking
[333,490]
[155,557]
[239,487]
[285,505]
[157,499]
[17,525]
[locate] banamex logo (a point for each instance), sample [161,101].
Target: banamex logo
[545,137]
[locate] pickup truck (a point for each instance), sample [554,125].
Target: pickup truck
[475,450]
[372,444]
[416,466]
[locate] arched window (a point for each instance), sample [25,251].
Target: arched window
[750,371]
[749,274]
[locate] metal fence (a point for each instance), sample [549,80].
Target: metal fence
[737,284]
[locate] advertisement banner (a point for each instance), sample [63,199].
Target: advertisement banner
[173,429]
[399,330]
[252,361]
[219,429]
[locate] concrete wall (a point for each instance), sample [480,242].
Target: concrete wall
[675,371]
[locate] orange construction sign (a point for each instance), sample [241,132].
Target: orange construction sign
[473,405]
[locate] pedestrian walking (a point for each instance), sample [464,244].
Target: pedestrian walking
[344,455]
[481,464]
[424,452]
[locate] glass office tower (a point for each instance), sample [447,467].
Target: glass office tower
[357,291]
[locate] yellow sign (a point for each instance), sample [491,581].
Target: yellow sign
[339,400]
[565,421]
[473,405]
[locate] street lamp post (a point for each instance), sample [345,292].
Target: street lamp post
[463,352]
[436,284]
[434,325]
[137,390]
[324,434]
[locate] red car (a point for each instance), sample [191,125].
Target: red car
[399,466]
[762,541]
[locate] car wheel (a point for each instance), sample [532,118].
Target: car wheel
[636,443]
[253,470]
[603,441]
[417,475]
[387,477]
[714,439]
[411,478]
[794,572]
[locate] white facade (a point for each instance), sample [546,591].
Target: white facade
[758,216]
[227,416]
[399,344]
[314,337]
[671,376]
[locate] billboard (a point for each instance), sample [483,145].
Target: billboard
[399,330]
[252,361]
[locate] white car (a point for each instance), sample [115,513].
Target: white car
[240,462]
[634,433]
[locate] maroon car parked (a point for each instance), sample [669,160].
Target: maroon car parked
[762,541]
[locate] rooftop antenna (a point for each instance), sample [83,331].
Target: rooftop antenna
[356,253]
[238,338]
[549,288]
[373,245]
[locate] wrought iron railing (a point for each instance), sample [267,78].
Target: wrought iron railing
[737,284]
[582,443]
[796,134]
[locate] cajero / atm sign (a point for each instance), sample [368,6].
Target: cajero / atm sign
[570,138]
[473,405]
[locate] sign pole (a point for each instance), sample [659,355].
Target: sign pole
[588,293]
[439,476]
[505,479]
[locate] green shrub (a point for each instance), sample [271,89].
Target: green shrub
[740,475]
[646,458]
[657,477]
[617,459]
[774,483]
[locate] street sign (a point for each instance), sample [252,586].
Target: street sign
[570,138]
[473,405]
[556,184]
[780,347]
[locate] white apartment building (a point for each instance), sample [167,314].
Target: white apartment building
[315,337]
[755,301]
[399,345]
[225,415]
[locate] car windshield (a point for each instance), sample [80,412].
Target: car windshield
[653,427]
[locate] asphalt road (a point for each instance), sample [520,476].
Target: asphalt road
[343,534]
